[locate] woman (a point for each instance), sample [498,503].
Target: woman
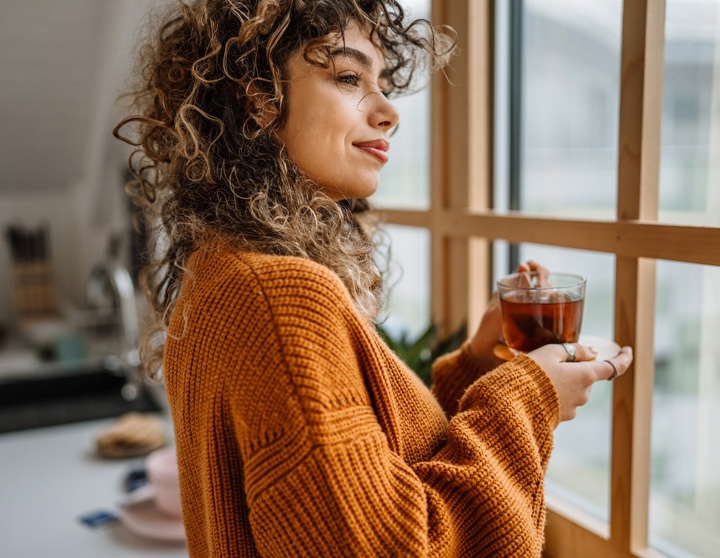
[262,128]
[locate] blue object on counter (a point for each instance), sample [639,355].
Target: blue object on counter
[98,518]
[136,477]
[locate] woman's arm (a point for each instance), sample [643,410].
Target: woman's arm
[322,477]
[454,373]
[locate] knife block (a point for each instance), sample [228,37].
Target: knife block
[34,288]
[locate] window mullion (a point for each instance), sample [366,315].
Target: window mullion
[638,184]
[461,162]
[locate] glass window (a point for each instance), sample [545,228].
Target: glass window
[570,52]
[405,179]
[685,476]
[408,281]
[563,67]
[690,152]
[405,184]
[579,470]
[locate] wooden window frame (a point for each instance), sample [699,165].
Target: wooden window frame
[463,225]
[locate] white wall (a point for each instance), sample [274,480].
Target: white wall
[62,68]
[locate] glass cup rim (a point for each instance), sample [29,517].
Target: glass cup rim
[579,281]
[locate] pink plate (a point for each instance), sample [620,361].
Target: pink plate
[146,520]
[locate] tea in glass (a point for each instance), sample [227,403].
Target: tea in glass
[536,314]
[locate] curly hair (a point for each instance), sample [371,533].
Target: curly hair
[206,165]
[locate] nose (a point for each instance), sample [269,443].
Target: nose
[384,114]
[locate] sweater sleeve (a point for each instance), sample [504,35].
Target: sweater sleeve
[322,480]
[452,375]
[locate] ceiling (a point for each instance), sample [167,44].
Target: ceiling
[62,65]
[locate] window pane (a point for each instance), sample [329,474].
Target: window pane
[408,281]
[405,179]
[690,157]
[685,475]
[570,107]
[579,470]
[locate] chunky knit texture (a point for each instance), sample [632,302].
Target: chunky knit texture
[299,433]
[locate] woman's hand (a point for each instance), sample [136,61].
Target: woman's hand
[573,380]
[489,333]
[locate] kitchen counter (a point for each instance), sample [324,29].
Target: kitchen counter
[49,477]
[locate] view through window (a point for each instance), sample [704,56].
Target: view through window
[557,160]
[569,112]
[570,79]
[685,475]
[405,184]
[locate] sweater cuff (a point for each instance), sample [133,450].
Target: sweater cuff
[522,378]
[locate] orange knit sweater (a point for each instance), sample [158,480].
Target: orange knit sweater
[299,433]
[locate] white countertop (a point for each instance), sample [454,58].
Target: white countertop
[49,477]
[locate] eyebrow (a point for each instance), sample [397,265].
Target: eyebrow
[360,57]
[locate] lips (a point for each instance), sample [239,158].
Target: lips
[377,148]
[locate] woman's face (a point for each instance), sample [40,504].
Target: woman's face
[338,119]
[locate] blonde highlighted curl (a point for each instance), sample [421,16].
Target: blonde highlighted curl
[207,161]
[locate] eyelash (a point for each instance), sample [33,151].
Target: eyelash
[352,79]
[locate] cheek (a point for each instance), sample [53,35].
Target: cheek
[308,123]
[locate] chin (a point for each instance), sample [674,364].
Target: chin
[367,190]
[353,193]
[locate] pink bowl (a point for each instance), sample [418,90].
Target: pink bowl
[162,472]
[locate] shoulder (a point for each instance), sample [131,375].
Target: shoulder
[293,296]
[220,269]
[279,324]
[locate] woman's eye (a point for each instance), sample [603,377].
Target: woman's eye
[349,79]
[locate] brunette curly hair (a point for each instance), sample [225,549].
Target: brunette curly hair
[207,160]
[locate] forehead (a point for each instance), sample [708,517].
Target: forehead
[356,41]
[354,46]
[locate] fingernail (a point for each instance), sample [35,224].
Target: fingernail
[593,350]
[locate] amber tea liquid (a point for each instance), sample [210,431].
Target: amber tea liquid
[530,321]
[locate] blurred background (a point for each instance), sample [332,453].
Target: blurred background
[70,254]
[76,416]
[62,66]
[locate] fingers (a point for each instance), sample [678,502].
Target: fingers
[616,366]
[568,352]
[573,380]
[582,352]
[539,270]
[607,369]
[614,370]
